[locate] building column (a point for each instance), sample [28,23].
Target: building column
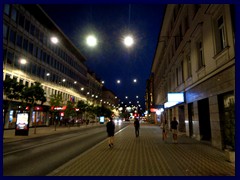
[215,122]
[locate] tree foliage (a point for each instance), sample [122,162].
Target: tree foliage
[70,111]
[12,89]
[34,94]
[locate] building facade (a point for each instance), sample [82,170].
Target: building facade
[60,68]
[195,56]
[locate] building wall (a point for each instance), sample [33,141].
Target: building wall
[26,34]
[196,55]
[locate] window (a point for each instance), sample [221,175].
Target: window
[30,49]
[27,25]
[220,35]
[32,29]
[189,66]
[179,73]
[21,81]
[177,76]
[35,49]
[25,44]
[5,31]
[16,63]
[14,14]
[19,40]
[21,20]
[39,54]
[10,57]
[7,9]
[8,76]
[200,55]
[12,36]
[15,78]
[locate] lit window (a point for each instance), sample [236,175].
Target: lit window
[220,35]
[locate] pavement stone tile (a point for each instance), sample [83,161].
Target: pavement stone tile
[148,155]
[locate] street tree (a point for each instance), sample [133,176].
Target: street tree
[33,95]
[12,90]
[70,110]
[56,100]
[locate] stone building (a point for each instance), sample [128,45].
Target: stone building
[195,58]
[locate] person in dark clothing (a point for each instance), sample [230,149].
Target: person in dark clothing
[110,131]
[174,125]
[137,126]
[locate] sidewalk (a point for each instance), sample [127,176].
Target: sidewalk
[9,134]
[148,155]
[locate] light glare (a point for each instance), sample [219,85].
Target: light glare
[128,41]
[54,40]
[91,41]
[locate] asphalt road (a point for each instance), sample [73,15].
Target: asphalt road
[41,155]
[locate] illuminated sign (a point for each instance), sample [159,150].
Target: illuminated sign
[153,110]
[101,119]
[175,97]
[22,121]
[58,108]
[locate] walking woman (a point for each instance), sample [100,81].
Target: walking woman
[110,131]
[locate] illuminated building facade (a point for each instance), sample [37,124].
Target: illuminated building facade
[196,56]
[60,67]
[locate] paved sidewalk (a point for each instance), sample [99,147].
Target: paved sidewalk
[148,155]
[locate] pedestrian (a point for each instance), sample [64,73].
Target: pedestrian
[110,131]
[164,130]
[174,125]
[137,126]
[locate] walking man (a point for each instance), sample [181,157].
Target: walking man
[110,131]
[137,126]
[174,125]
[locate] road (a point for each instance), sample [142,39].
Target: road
[41,155]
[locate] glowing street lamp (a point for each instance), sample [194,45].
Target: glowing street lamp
[91,41]
[54,40]
[23,61]
[128,41]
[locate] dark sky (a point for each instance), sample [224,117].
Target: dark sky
[111,59]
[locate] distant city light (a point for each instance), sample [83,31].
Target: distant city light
[91,41]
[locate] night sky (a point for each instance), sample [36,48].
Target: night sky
[111,59]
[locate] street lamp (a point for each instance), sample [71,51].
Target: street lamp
[23,61]
[91,41]
[54,40]
[128,41]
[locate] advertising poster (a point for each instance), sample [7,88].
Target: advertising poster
[22,125]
